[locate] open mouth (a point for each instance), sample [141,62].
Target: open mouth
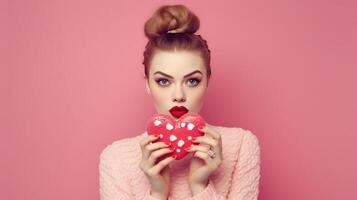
[178,111]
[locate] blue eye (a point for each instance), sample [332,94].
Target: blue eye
[191,82]
[194,80]
[160,80]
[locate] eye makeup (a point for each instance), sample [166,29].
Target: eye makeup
[163,82]
[197,81]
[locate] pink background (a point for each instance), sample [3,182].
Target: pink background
[72,83]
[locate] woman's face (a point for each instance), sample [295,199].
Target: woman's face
[177,78]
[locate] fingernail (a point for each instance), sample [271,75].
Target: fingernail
[174,156]
[168,143]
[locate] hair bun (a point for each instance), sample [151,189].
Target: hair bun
[171,19]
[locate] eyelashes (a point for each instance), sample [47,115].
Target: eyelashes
[160,81]
[164,82]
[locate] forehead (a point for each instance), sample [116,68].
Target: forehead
[177,63]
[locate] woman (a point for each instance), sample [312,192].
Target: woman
[226,162]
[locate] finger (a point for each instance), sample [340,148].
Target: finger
[158,153]
[149,148]
[163,163]
[209,131]
[147,140]
[201,148]
[156,145]
[204,156]
[206,140]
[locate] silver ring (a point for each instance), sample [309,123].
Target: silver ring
[211,153]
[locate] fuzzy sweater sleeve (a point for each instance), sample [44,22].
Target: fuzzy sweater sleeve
[113,180]
[245,183]
[209,193]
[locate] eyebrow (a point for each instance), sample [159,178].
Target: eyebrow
[162,73]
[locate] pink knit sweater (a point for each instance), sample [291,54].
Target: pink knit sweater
[120,177]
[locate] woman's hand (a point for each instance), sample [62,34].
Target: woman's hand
[201,164]
[158,174]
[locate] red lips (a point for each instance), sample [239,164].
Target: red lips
[178,111]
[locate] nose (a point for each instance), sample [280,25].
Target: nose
[179,95]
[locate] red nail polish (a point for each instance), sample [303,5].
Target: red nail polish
[174,156]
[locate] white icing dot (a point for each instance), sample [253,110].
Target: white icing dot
[183,124]
[190,126]
[180,143]
[157,122]
[169,126]
[161,135]
[178,150]
[189,138]
[173,138]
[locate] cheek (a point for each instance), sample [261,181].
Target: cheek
[159,95]
[198,95]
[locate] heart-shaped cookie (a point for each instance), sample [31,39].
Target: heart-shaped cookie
[179,133]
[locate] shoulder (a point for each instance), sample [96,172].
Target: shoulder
[122,152]
[249,147]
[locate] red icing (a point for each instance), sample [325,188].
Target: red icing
[181,133]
